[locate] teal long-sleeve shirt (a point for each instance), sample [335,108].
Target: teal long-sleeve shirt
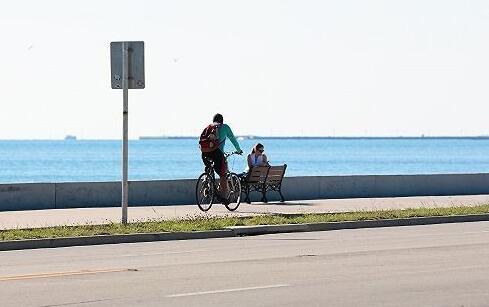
[226,132]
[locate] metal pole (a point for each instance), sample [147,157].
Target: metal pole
[125,94]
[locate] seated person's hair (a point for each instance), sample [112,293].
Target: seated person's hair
[256,147]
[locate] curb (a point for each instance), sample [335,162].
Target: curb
[235,231]
[112,239]
[415,221]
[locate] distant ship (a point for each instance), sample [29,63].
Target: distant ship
[70,138]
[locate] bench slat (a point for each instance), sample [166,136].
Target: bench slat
[258,174]
[275,174]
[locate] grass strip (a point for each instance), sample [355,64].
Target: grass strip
[217,223]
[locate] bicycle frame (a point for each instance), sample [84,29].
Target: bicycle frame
[231,180]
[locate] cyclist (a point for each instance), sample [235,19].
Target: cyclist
[217,155]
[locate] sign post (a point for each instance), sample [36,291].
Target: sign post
[125,128]
[127,72]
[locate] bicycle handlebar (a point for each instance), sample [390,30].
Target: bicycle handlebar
[228,154]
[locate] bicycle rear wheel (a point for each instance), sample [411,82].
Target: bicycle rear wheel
[204,192]
[234,185]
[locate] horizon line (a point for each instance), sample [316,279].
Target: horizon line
[251,137]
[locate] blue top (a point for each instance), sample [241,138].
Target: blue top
[226,132]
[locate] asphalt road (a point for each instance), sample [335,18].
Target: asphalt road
[434,265]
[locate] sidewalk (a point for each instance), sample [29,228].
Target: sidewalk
[55,217]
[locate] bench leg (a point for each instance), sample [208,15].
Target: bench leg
[264,198]
[282,199]
[248,201]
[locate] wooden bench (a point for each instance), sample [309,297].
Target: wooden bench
[262,179]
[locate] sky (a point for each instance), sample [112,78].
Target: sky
[273,67]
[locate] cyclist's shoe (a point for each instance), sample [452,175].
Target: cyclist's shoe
[223,200]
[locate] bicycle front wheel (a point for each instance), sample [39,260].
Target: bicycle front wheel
[204,192]
[234,185]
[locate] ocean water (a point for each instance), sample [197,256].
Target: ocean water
[85,160]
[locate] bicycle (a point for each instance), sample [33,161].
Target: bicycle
[207,189]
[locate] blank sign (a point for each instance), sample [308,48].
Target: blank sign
[135,54]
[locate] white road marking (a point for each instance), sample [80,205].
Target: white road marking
[165,253]
[227,290]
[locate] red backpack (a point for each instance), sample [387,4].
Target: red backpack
[209,138]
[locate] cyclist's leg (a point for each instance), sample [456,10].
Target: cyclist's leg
[205,159]
[223,186]
[221,168]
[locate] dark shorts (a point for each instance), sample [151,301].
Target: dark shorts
[217,156]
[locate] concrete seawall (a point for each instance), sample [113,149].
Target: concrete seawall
[30,196]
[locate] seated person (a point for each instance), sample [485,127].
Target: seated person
[256,158]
